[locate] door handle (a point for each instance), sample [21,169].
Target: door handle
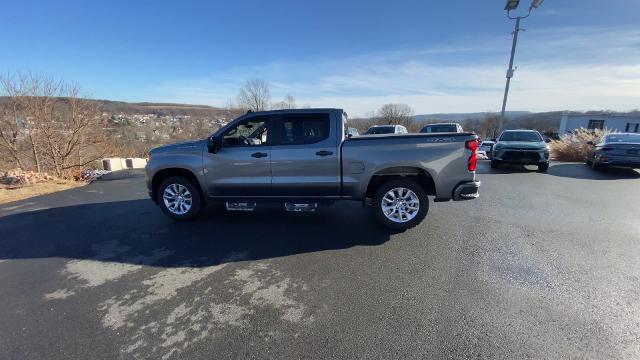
[324,153]
[259,155]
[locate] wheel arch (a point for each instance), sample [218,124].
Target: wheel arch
[419,175]
[164,174]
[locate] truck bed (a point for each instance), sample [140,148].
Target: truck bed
[442,157]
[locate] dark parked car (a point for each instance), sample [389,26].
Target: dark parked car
[525,147]
[442,128]
[620,149]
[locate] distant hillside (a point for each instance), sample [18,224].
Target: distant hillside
[544,121]
[159,108]
[459,117]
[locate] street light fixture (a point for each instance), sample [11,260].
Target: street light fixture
[512,5]
[536,3]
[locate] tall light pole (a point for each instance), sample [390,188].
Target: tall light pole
[512,5]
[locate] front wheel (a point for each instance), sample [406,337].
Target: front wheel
[400,204]
[543,167]
[494,164]
[179,199]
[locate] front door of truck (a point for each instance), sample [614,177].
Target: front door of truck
[241,167]
[305,160]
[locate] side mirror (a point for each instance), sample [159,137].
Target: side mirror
[547,140]
[214,143]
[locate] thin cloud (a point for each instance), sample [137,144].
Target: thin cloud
[561,68]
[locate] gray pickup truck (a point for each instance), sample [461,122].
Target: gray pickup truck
[305,158]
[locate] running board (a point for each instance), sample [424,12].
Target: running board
[240,206]
[301,207]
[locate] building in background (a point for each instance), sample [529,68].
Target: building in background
[615,123]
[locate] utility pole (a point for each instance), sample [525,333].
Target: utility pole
[510,71]
[512,5]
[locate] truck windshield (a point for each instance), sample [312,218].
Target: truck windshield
[381,130]
[529,136]
[439,128]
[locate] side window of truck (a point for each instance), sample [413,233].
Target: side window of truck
[252,132]
[296,129]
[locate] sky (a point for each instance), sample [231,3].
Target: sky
[435,56]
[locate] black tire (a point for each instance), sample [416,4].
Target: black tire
[423,207]
[494,164]
[543,168]
[196,199]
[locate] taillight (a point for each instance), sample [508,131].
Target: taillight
[473,159]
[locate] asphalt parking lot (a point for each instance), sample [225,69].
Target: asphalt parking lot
[540,266]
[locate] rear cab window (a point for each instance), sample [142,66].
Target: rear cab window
[297,129]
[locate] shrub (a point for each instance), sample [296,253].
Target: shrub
[575,146]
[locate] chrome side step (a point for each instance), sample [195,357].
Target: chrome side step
[301,207]
[240,206]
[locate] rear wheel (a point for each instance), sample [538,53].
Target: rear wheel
[179,199]
[400,204]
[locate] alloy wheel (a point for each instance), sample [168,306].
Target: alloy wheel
[177,199]
[400,205]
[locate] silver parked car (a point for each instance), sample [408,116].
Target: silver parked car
[487,147]
[618,149]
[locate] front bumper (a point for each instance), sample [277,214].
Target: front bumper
[466,191]
[521,156]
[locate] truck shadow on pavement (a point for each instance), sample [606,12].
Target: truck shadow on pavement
[136,231]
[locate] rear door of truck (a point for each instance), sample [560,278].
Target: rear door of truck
[305,160]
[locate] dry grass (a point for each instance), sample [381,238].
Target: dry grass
[575,146]
[9,193]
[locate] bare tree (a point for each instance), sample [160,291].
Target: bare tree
[395,114]
[255,95]
[30,101]
[234,109]
[48,119]
[490,126]
[73,135]
[11,122]
[39,99]
[289,102]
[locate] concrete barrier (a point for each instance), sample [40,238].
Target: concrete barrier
[116,163]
